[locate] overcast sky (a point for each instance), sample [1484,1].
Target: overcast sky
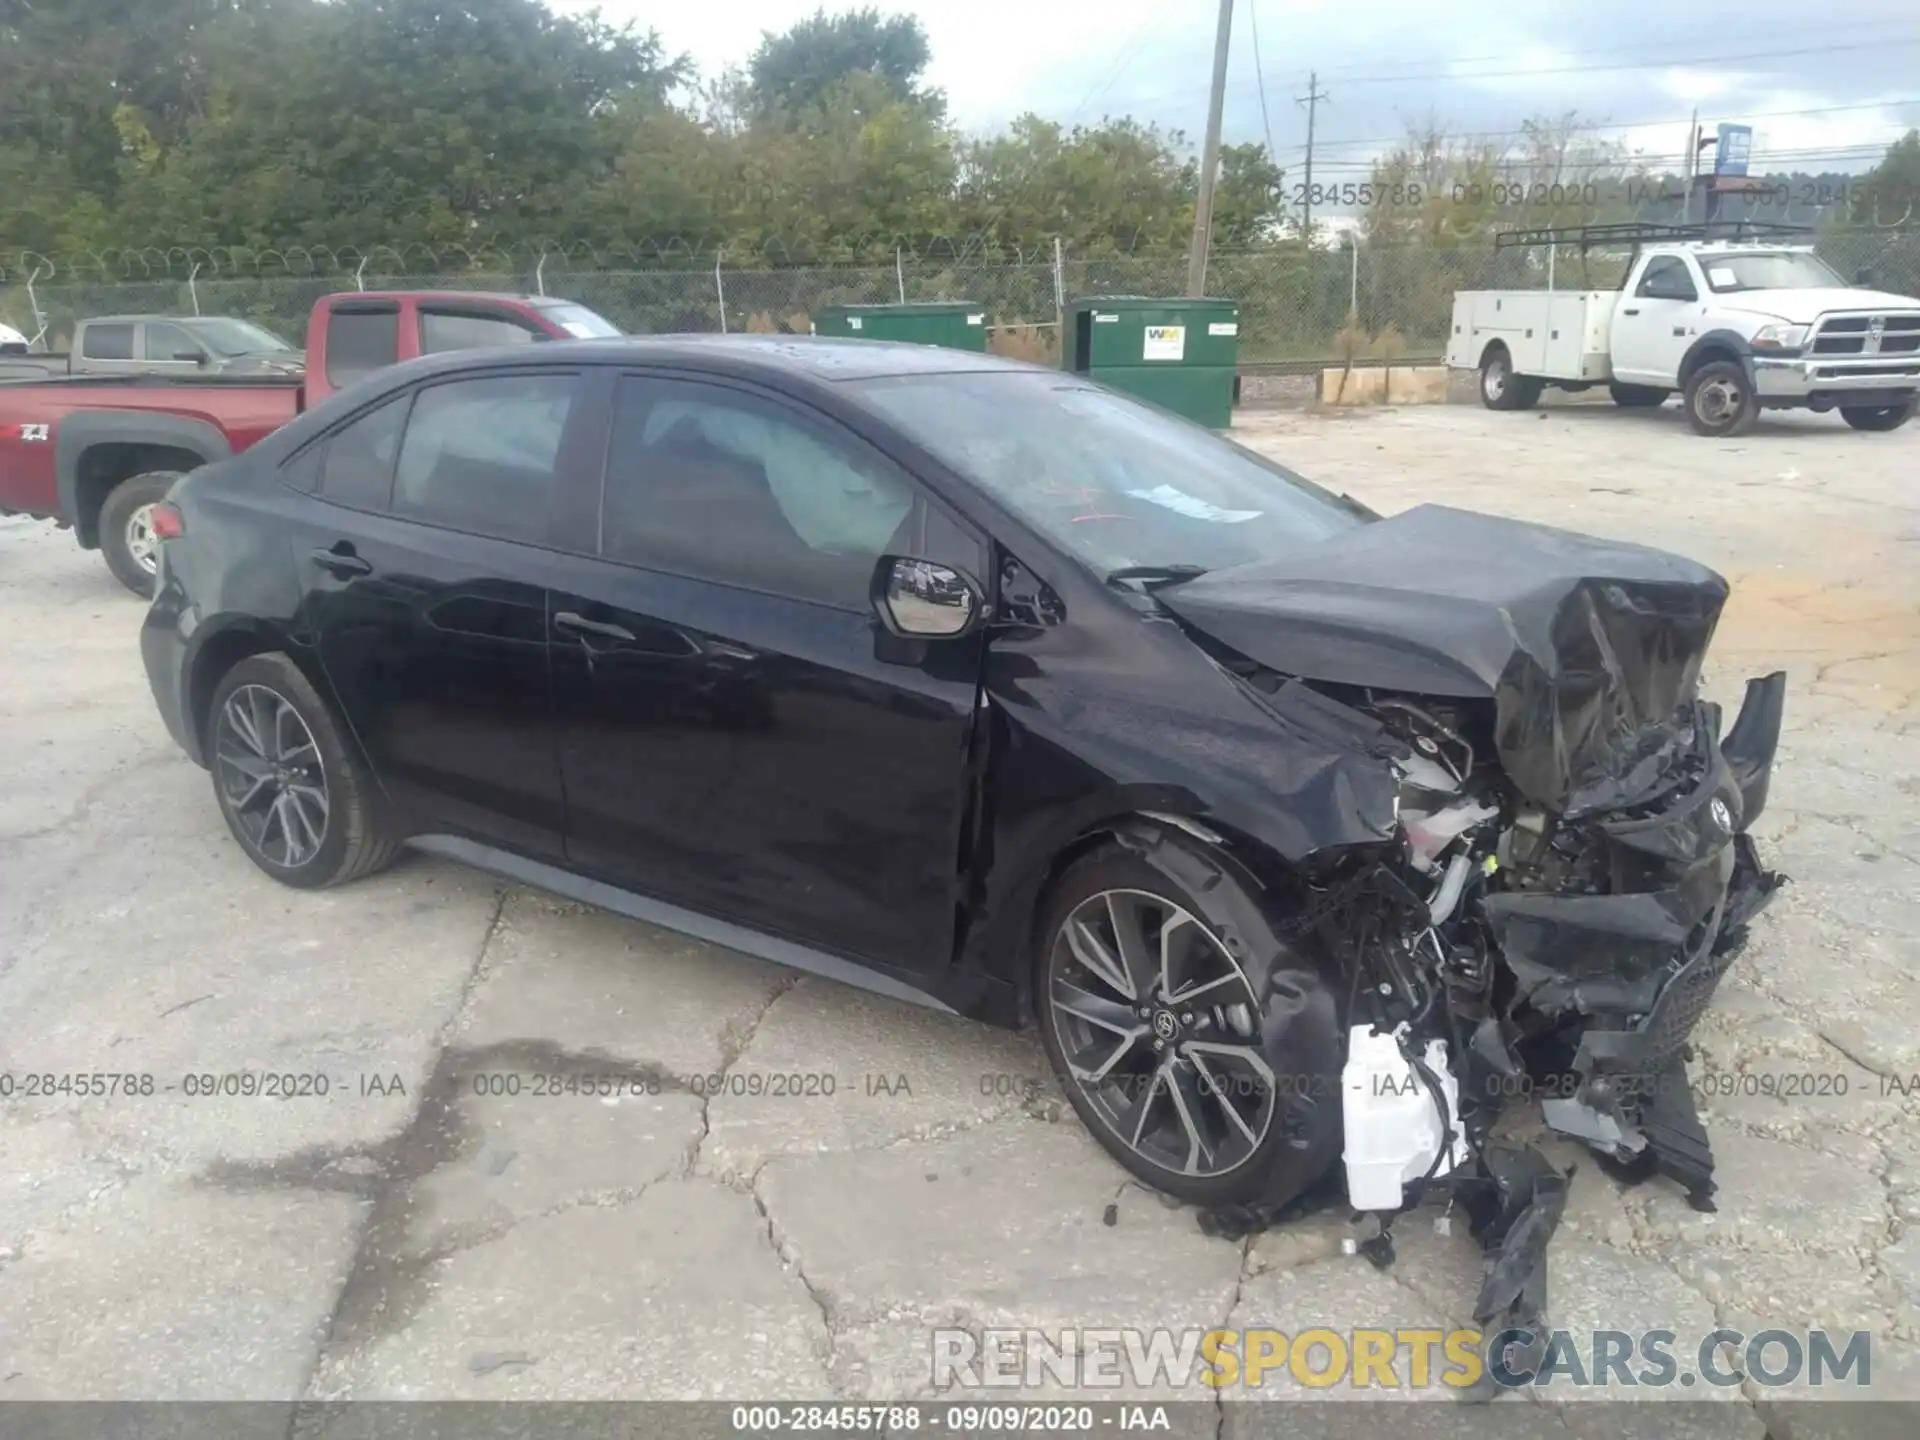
[1821,93]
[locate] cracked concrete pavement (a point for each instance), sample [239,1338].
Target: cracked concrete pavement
[758,1185]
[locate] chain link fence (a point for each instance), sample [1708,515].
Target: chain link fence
[1297,306]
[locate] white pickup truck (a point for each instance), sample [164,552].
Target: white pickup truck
[1736,326]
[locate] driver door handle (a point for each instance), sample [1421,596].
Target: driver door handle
[580,625]
[1631,310]
[340,561]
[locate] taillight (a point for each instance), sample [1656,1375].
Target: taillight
[166,521]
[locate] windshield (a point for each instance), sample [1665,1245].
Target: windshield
[227,337]
[580,322]
[1775,270]
[1114,481]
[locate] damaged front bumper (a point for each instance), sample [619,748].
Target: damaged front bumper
[1624,977]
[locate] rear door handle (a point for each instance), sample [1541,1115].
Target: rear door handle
[340,561]
[580,625]
[1635,310]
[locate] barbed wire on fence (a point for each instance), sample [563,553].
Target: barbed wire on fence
[1296,302]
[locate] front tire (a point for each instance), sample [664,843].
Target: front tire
[1226,1091]
[127,541]
[291,794]
[1720,400]
[1877,417]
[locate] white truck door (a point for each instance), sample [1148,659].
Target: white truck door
[1651,323]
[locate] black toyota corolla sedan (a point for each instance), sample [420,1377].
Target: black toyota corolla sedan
[1303,836]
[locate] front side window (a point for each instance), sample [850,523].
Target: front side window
[170,342]
[107,342]
[1109,479]
[717,483]
[444,330]
[1667,279]
[231,338]
[358,468]
[480,455]
[360,342]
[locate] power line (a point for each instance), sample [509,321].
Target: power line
[1659,46]
[1468,135]
[1259,72]
[1896,42]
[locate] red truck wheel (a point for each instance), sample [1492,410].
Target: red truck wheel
[126,529]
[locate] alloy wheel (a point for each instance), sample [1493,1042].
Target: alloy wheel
[271,776]
[142,544]
[1159,1028]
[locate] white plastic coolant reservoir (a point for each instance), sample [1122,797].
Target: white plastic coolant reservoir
[1393,1127]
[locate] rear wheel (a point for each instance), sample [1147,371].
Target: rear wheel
[293,797]
[127,541]
[1186,1035]
[1720,399]
[1500,388]
[1633,397]
[1877,417]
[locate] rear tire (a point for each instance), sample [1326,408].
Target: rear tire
[1634,397]
[1877,417]
[292,795]
[126,531]
[1500,388]
[1241,1103]
[1720,400]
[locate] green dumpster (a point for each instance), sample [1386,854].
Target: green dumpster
[1180,354]
[955,324]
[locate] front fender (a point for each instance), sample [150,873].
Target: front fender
[1703,349]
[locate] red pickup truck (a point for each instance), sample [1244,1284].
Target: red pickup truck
[95,454]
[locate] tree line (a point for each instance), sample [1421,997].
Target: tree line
[350,123]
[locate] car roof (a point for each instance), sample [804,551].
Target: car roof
[816,357]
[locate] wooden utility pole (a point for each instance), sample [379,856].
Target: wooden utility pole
[1311,100]
[1209,159]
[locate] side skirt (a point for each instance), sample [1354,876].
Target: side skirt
[772,948]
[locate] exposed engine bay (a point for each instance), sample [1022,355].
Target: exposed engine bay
[1565,872]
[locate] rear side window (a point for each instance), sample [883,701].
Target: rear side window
[358,469]
[107,342]
[480,455]
[443,330]
[360,342]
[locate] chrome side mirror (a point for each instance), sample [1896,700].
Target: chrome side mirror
[922,600]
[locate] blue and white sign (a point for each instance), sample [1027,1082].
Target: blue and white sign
[1731,153]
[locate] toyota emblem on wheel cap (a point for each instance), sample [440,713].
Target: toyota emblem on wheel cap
[1722,816]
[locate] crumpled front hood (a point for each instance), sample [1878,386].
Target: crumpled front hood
[1586,646]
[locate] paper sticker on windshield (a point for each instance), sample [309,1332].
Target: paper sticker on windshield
[1722,275]
[1165,342]
[1193,506]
